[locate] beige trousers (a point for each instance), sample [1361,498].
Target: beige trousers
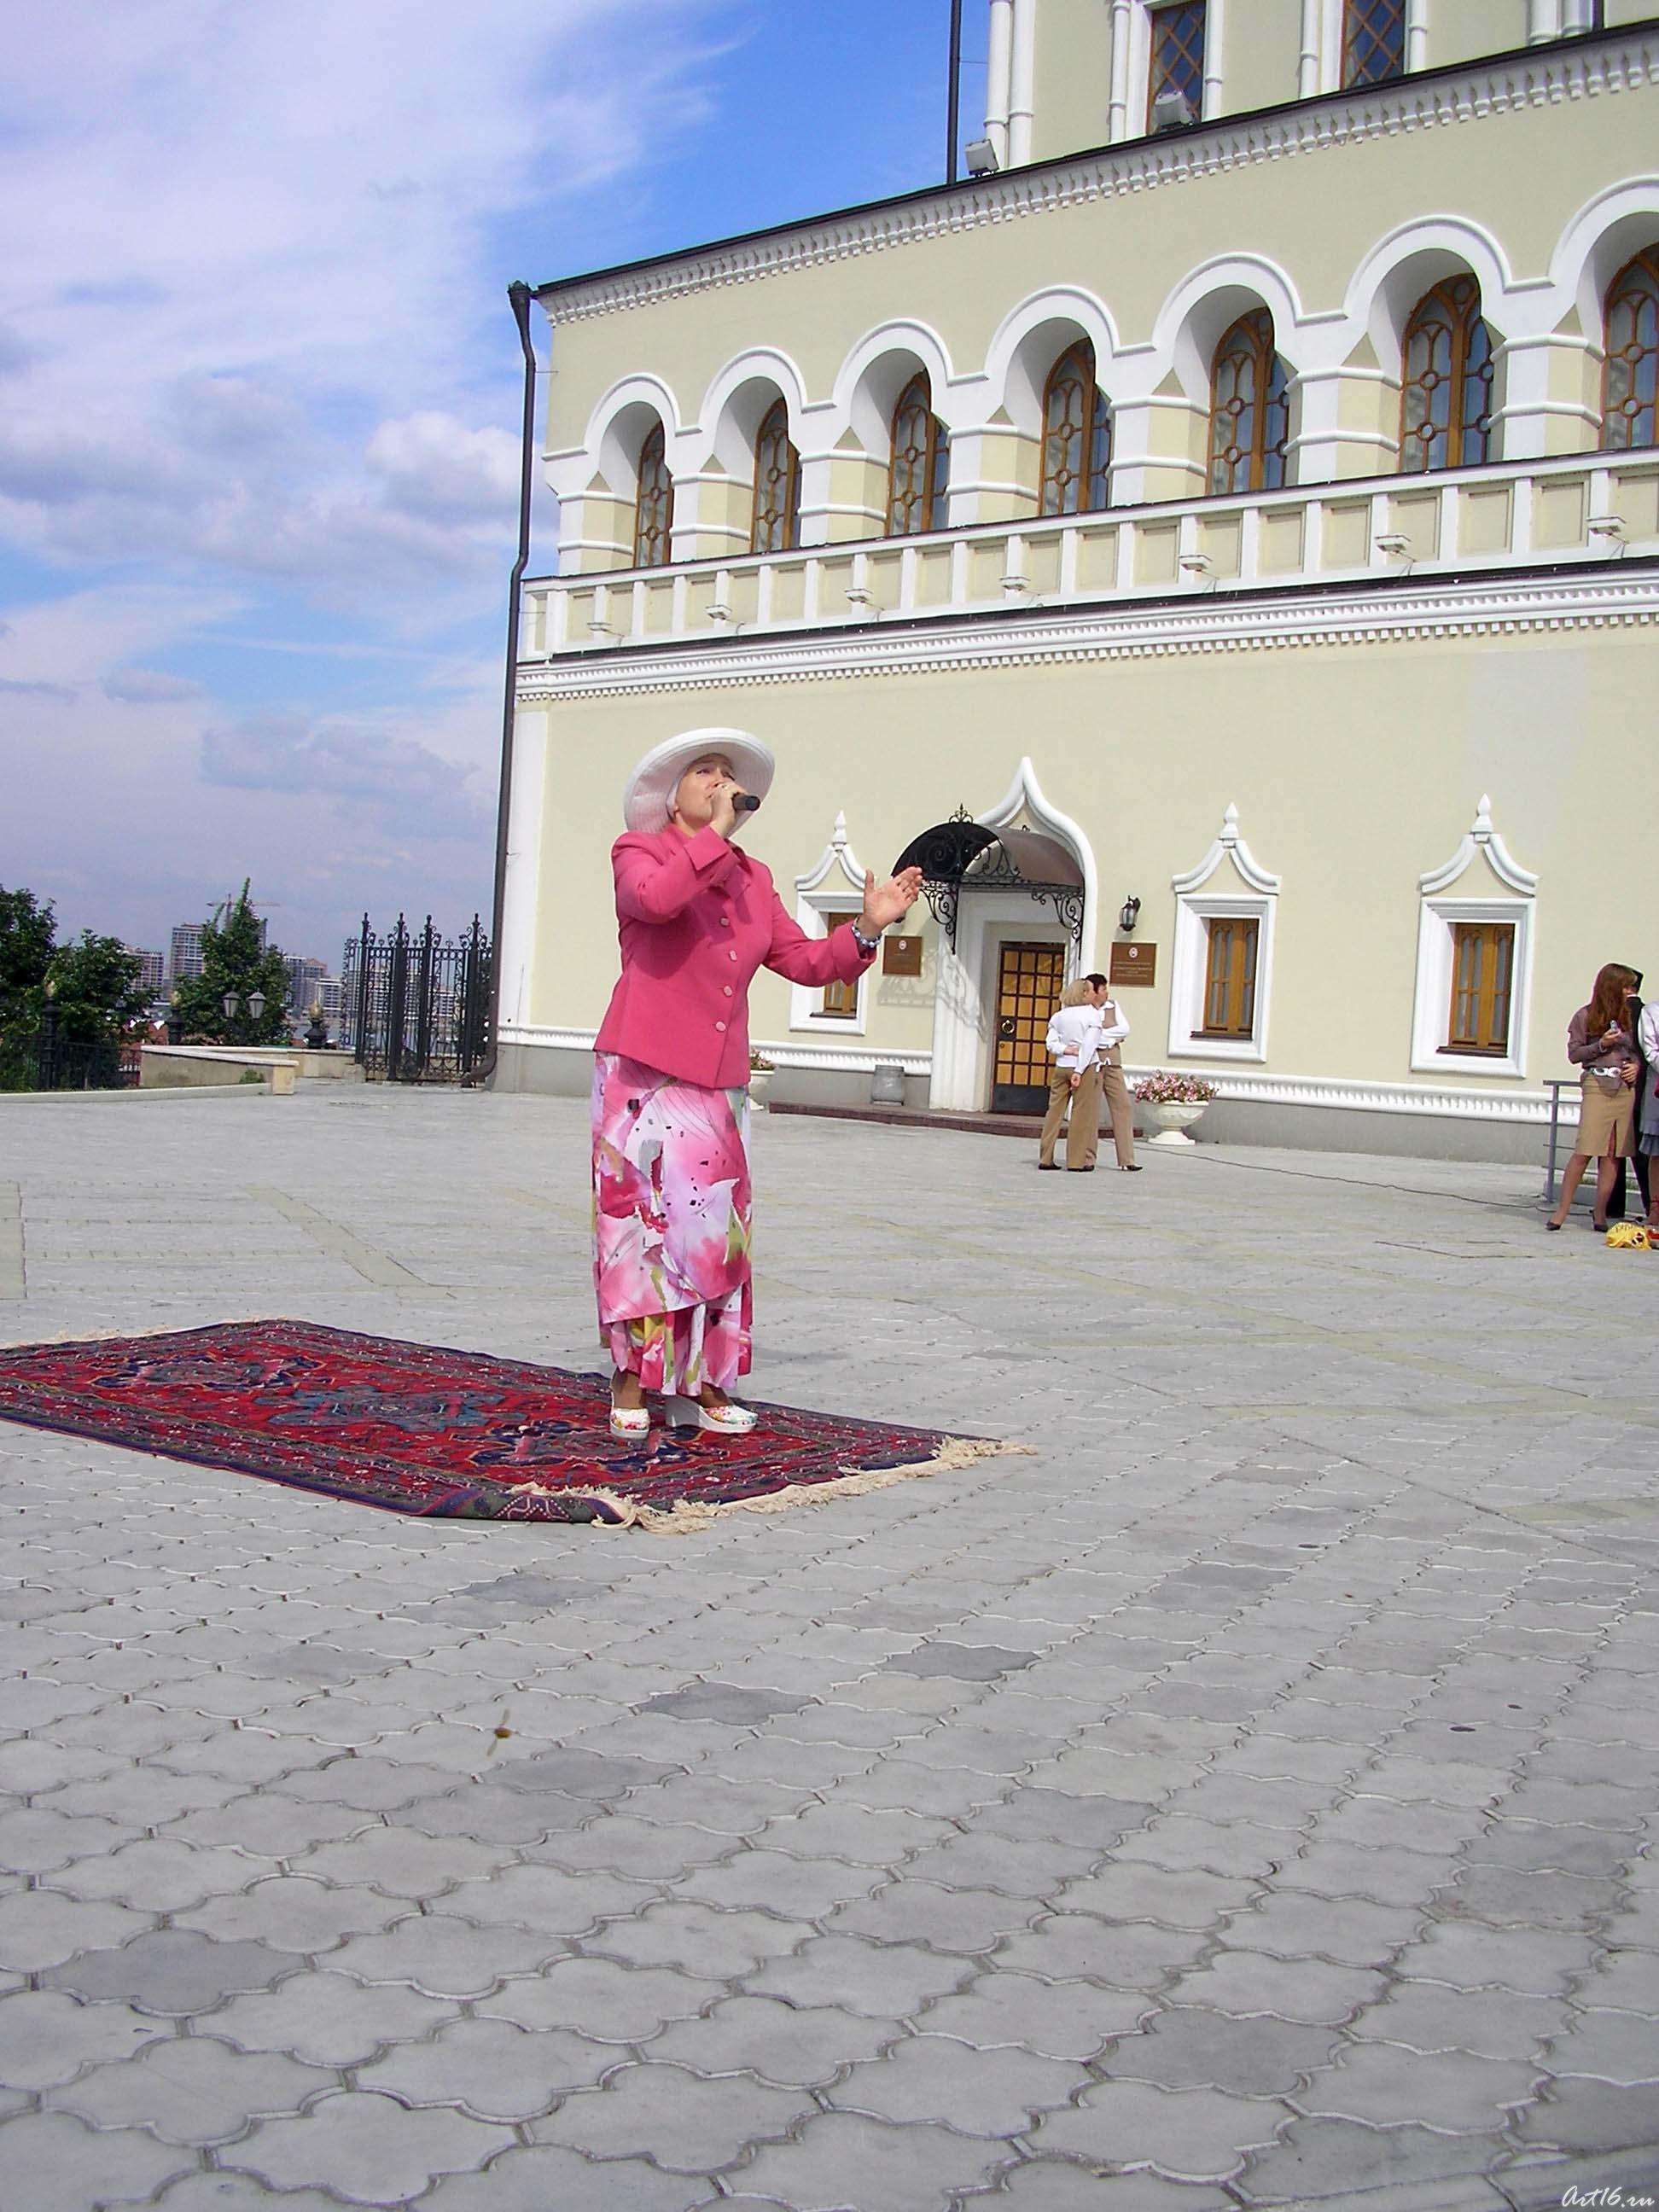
[1083,1132]
[1122,1112]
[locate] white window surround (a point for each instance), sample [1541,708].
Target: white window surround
[1438,919]
[832,886]
[1256,898]
[1127,114]
[1320,64]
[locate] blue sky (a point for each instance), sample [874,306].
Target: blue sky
[260,397]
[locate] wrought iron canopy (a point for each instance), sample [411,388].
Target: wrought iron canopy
[963,855]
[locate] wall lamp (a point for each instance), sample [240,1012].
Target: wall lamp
[981,157]
[1129,915]
[1610,526]
[1395,544]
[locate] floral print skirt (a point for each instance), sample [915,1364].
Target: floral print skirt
[671,1226]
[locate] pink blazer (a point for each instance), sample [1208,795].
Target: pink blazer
[696,917]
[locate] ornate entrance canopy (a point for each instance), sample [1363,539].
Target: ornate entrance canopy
[963,855]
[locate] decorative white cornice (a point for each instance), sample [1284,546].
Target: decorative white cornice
[1350,614]
[1480,836]
[1538,79]
[1229,840]
[1331,1092]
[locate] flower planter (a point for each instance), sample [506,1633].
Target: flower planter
[1171,1119]
[760,1083]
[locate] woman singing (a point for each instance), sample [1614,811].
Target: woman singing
[1599,1043]
[696,917]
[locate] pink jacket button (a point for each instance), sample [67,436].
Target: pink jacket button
[719,1025]
[728,990]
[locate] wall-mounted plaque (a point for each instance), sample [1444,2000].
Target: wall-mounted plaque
[901,956]
[1133,964]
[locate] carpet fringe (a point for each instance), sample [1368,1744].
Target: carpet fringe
[954,1453]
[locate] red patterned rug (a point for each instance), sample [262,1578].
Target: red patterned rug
[417,1428]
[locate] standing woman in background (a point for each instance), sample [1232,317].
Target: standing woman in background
[1599,1044]
[695,916]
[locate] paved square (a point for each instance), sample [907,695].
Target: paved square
[1245,1800]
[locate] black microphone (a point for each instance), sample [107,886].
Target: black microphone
[744,802]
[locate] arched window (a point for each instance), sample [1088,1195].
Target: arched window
[1076,436]
[1445,416]
[1250,409]
[1632,341]
[1373,41]
[921,463]
[653,514]
[776,524]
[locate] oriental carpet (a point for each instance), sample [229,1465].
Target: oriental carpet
[420,1429]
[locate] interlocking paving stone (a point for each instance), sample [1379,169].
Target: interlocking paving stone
[547,2178]
[491,2069]
[1185,2048]
[883,1981]
[792,2046]
[52,2163]
[174,1971]
[1329,2158]
[684,2122]
[193,2091]
[979,2092]
[39,1928]
[1075,2022]
[47,2038]
[1188,2134]
[1309,1688]
[445,1958]
[329,2019]
[597,1997]
[366,2148]
[840,2162]
[1449,2089]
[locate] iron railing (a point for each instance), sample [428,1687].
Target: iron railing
[414,1005]
[45,1060]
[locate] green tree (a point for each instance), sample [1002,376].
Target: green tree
[95,983]
[232,964]
[27,930]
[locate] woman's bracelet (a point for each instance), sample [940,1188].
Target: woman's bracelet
[864,943]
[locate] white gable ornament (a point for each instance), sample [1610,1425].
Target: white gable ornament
[1480,836]
[1229,840]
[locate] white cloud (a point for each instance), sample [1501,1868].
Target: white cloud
[431,464]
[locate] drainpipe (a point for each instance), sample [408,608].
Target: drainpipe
[953,102]
[518,295]
[999,70]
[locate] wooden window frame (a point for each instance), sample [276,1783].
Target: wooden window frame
[1086,488]
[1270,400]
[848,1014]
[1158,79]
[1474,998]
[644,529]
[1356,26]
[1237,987]
[774,528]
[918,393]
[1642,265]
[1189,974]
[1464,320]
[1438,919]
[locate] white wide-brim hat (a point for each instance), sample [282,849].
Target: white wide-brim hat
[650,788]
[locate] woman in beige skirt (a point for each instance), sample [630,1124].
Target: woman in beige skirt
[1599,1044]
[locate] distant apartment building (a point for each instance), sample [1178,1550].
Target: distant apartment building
[152,970]
[184,953]
[304,978]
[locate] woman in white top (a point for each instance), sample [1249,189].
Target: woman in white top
[1073,1040]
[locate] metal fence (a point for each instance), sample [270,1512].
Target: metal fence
[47,1061]
[414,1005]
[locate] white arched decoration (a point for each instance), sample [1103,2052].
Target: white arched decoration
[1504,893]
[1248,892]
[611,442]
[961,1008]
[832,886]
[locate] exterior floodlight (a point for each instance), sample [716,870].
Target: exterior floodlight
[980,156]
[1171,111]
[1394,542]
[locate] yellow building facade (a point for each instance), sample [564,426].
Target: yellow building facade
[1248,483]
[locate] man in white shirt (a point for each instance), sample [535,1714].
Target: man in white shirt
[1073,1040]
[1114,1028]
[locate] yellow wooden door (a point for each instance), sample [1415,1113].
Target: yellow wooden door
[1030,980]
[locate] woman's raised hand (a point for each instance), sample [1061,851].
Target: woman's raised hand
[890,900]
